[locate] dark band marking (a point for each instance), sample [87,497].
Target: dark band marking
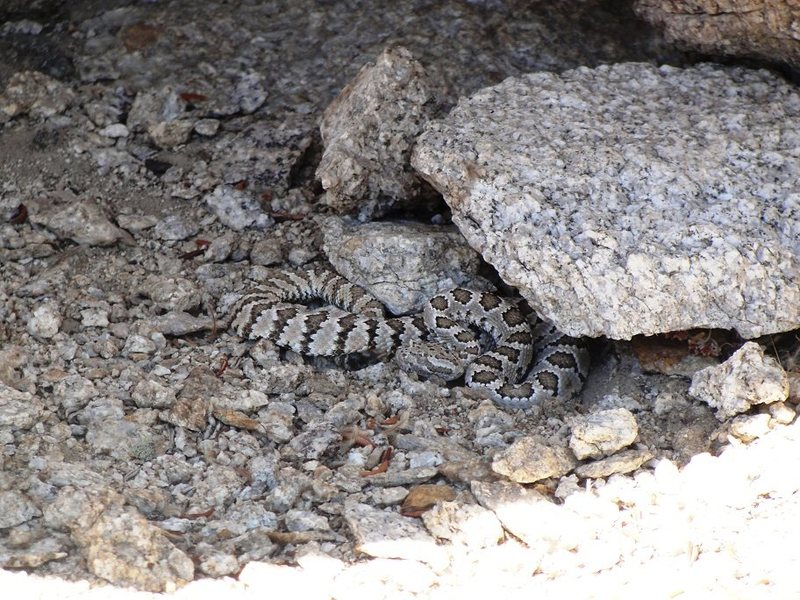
[548,381]
[346,324]
[398,329]
[562,359]
[523,337]
[512,354]
[255,310]
[489,361]
[461,295]
[445,323]
[312,323]
[465,337]
[513,317]
[484,376]
[489,301]
[439,302]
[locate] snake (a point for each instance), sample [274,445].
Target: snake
[498,345]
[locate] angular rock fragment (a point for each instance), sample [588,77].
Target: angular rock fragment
[16,508]
[82,221]
[603,433]
[750,427]
[45,320]
[19,410]
[118,544]
[175,227]
[748,377]
[422,497]
[622,462]
[385,534]
[524,512]
[468,524]
[527,460]
[368,132]
[34,93]
[238,210]
[158,112]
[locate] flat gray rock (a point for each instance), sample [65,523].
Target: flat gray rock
[631,199]
[623,462]
[401,264]
[387,534]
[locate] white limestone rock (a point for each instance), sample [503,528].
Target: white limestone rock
[631,199]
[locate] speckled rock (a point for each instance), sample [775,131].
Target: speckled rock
[82,221]
[171,293]
[748,377]
[175,227]
[386,534]
[34,93]
[528,460]
[606,195]
[237,209]
[368,132]
[16,508]
[150,393]
[622,462]
[118,544]
[168,134]
[602,433]
[154,106]
[219,564]
[400,264]
[19,410]
[45,320]
[467,524]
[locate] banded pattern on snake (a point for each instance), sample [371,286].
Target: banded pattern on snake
[445,341]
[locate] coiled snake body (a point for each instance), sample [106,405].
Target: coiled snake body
[441,342]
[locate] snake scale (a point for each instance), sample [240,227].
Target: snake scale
[445,341]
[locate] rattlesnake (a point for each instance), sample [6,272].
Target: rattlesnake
[353,323]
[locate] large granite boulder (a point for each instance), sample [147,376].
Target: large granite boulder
[632,199]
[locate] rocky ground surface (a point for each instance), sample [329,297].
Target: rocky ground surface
[160,158]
